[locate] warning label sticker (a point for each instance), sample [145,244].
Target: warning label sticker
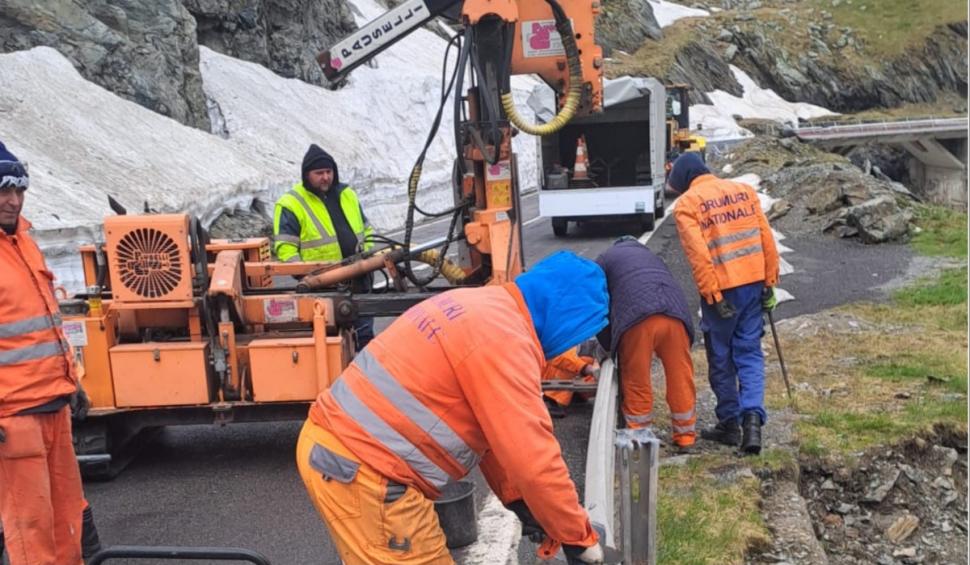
[540,39]
[279,310]
[76,333]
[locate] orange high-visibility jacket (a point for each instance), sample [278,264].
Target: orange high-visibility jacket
[452,383]
[725,235]
[35,359]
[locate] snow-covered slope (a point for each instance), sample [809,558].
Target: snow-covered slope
[717,121]
[83,142]
[667,13]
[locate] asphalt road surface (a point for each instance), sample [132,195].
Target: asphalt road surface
[238,485]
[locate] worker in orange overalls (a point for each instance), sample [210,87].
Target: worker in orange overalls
[649,315]
[732,254]
[453,384]
[41,502]
[567,367]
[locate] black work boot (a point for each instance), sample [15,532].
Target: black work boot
[726,432]
[555,409]
[751,429]
[90,541]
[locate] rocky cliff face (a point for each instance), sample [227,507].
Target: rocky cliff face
[143,51]
[625,25]
[804,57]
[148,50]
[284,36]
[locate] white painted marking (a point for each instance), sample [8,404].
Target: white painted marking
[532,221]
[499,533]
[656,227]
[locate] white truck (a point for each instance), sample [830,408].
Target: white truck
[625,147]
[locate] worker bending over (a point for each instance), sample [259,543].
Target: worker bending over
[41,502]
[451,384]
[649,315]
[321,219]
[569,366]
[732,254]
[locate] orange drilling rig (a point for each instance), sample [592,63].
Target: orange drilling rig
[177,329]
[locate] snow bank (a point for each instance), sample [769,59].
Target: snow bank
[717,121]
[83,142]
[667,13]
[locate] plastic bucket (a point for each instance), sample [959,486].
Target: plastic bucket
[456,514]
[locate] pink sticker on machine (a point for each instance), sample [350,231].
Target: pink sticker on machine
[540,39]
[279,310]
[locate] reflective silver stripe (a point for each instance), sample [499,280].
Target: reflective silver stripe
[286,238]
[293,259]
[733,237]
[638,419]
[313,217]
[30,325]
[403,400]
[682,415]
[29,353]
[683,429]
[385,434]
[751,249]
[314,243]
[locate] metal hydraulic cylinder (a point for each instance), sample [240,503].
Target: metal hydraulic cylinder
[637,466]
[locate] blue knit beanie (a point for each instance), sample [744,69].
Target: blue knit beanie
[686,168]
[13,173]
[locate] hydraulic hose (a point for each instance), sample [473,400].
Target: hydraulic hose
[573,95]
[450,270]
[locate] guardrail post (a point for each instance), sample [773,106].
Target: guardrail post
[637,467]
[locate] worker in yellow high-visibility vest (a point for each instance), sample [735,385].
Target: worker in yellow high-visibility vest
[321,219]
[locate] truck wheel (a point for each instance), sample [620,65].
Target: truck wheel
[560,226]
[646,222]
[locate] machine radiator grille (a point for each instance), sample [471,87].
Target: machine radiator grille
[148,261]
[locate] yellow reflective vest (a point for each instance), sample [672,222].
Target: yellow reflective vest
[318,238]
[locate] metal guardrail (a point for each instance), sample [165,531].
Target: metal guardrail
[175,553]
[837,130]
[622,468]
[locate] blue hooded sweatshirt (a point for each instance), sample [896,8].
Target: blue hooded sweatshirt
[568,300]
[686,168]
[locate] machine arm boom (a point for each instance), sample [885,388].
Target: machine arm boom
[379,34]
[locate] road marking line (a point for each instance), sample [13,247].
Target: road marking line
[668,211]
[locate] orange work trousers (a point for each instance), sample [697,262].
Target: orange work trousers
[566,367]
[667,338]
[371,520]
[41,500]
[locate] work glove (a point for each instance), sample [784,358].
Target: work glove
[576,555]
[768,299]
[530,526]
[79,405]
[725,309]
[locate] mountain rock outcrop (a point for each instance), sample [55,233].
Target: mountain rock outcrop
[625,25]
[144,51]
[284,36]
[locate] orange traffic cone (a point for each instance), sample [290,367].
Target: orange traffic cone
[581,168]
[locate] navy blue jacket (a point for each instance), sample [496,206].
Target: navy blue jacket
[640,285]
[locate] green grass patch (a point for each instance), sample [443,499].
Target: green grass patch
[891,26]
[700,520]
[946,371]
[950,289]
[944,232]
